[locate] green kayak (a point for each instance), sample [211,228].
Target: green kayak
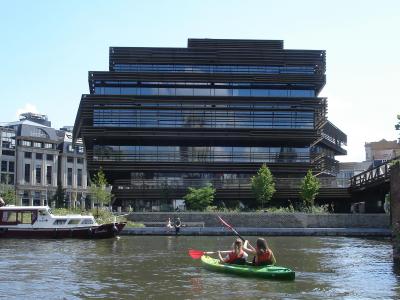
[268,272]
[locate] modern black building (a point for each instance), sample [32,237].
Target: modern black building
[163,119]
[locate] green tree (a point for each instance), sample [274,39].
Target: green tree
[98,188]
[263,185]
[397,126]
[199,199]
[7,192]
[59,196]
[309,189]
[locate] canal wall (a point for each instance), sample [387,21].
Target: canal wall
[267,220]
[395,210]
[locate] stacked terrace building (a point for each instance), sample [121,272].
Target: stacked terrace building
[165,119]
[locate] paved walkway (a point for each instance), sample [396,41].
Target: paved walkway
[358,232]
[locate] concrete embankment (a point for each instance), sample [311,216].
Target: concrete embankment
[265,224]
[251,231]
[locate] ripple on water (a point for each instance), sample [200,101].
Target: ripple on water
[159,268]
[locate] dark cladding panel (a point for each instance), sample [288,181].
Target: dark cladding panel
[231,43]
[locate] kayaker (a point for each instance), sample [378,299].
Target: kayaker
[237,256]
[262,254]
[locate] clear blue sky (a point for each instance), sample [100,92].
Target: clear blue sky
[47,48]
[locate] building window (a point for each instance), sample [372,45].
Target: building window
[79,149]
[48,175]
[3,178]
[39,156]
[79,160]
[49,157]
[4,166]
[79,179]
[48,146]
[25,198]
[11,166]
[11,179]
[70,148]
[27,143]
[37,144]
[27,174]
[70,159]
[28,154]
[38,175]
[69,176]
[38,132]
[36,199]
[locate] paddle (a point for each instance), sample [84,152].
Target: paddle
[231,228]
[196,254]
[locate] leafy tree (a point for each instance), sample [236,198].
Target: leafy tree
[397,126]
[263,185]
[309,189]
[199,199]
[98,188]
[7,192]
[59,196]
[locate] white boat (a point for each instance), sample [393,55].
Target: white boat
[39,222]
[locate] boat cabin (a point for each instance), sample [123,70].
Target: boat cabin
[40,216]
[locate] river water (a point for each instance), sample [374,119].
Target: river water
[160,268]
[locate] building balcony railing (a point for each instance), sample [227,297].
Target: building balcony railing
[242,183]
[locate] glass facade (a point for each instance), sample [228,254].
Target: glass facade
[202,91]
[198,154]
[212,117]
[191,68]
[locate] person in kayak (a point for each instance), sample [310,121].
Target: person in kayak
[262,254]
[237,256]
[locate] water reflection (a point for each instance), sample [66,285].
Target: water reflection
[159,267]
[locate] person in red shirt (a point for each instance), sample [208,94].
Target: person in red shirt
[237,256]
[262,254]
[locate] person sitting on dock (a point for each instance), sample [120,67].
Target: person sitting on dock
[177,225]
[237,256]
[262,254]
[169,224]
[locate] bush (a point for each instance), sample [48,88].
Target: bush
[199,199]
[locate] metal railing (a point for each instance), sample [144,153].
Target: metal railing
[370,177]
[242,183]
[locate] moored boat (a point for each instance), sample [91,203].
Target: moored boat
[39,222]
[267,272]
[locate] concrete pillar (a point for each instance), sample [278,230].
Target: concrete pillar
[395,210]
[31,198]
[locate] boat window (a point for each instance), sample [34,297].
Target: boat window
[25,217]
[9,217]
[60,222]
[74,221]
[87,221]
[42,212]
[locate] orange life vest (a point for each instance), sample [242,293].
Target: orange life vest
[263,259]
[234,258]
